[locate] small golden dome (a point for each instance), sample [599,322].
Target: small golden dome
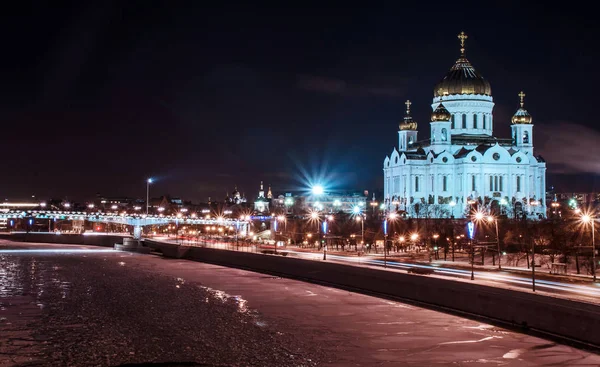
[522,116]
[408,123]
[462,77]
[441,114]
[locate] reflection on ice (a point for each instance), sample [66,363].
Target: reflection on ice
[241,303]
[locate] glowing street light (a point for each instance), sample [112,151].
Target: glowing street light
[452,205]
[492,219]
[586,218]
[318,190]
[282,218]
[91,206]
[392,216]
[148,182]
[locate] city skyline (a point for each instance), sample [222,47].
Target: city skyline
[109,95]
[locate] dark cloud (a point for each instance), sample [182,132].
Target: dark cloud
[569,147]
[344,88]
[322,84]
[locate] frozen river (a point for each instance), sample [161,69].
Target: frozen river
[106,308]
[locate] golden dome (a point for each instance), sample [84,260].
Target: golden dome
[522,116]
[408,123]
[462,77]
[441,114]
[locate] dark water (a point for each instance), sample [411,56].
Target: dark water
[94,309]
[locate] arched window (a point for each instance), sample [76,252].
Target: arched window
[473,183]
[484,122]
[464,121]
[444,134]
[525,137]
[444,183]
[453,126]
[417,183]
[475,121]
[518,183]
[410,140]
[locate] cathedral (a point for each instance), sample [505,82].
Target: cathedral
[462,166]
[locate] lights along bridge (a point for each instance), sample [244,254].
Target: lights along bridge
[137,221]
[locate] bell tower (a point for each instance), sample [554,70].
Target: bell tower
[522,128]
[440,128]
[407,135]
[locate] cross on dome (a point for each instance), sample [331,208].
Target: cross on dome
[407,103]
[522,96]
[462,37]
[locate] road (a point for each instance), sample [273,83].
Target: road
[575,289]
[587,291]
[87,306]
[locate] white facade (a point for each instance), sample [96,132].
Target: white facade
[463,165]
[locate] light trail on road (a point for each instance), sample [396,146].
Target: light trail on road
[504,278]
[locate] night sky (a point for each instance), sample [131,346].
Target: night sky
[98,96]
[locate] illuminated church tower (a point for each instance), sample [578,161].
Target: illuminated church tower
[463,166]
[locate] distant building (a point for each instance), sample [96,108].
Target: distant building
[236,198]
[261,203]
[330,202]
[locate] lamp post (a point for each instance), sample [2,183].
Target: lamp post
[495,220]
[471,228]
[478,216]
[148,182]
[435,237]
[391,216]
[452,205]
[414,238]
[359,218]
[586,219]
[325,236]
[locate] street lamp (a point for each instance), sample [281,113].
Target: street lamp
[392,217]
[362,229]
[587,219]
[282,218]
[490,219]
[318,190]
[452,205]
[325,223]
[435,237]
[148,182]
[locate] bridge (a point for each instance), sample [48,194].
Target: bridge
[137,221]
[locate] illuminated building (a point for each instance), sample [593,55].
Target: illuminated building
[261,204]
[463,164]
